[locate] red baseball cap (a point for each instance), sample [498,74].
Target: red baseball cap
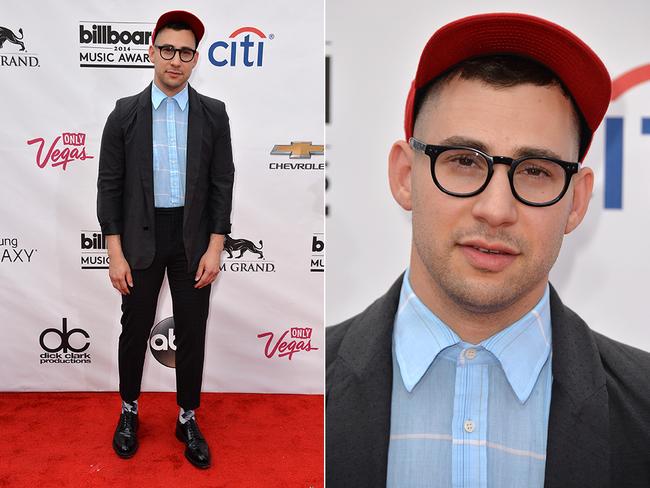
[581,71]
[180,16]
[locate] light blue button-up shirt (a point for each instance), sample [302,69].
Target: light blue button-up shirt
[465,415]
[169,146]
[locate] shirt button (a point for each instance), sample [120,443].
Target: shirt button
[469,426]
[470,353]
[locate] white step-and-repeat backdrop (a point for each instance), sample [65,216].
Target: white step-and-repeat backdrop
[62,66]
[373,48]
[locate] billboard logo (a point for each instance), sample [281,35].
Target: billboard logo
[66,148]
[61,348]
[162,342]
[114,44]
[20,58]
[94,254]
[317,262]
[247,50]
[292,341]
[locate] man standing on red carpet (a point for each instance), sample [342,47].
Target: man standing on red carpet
[163,202]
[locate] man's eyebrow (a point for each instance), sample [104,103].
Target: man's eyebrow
[464,141]
[541,152]
[182,47]
[519,152]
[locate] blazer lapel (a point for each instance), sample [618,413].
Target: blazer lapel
[143,146]
[194,146]
[359,397]
[577,452]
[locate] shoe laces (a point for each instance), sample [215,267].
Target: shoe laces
[193,432]
[127,423]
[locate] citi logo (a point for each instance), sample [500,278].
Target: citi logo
[614,142]
[247,50]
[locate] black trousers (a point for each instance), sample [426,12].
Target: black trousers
[190,308]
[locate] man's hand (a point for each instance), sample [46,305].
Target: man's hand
[119,270]
[209,264]
[120,274]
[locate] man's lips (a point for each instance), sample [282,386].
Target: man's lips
[493,257]
[495,247]
[174,73]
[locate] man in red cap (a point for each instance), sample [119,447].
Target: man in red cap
[163,201]
[470,371]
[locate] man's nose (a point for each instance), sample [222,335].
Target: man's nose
[496,205]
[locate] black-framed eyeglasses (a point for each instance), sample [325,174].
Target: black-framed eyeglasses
[464,172]
[168,52]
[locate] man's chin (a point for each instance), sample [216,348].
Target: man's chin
[174,82]
[484,294]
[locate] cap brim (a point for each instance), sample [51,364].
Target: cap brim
[181,16]
[581,71]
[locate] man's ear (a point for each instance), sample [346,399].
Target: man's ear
[583,185]
[400,161]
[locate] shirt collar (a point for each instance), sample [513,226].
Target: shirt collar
[157,96]
[522,348]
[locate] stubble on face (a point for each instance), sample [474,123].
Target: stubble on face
[448,283]
[475,291]
[172,75]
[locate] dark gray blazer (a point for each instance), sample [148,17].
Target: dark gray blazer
[599,425]
[125,199]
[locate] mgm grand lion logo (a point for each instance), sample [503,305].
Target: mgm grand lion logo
[231,245]
[8,35]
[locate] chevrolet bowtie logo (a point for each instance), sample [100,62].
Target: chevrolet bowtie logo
[298,150]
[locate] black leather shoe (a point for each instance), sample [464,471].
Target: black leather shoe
[125,439]
[196,451]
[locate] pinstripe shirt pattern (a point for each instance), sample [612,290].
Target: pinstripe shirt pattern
[170,115]
[465,415]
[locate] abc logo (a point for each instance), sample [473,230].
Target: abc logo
[64,339]
[162,342]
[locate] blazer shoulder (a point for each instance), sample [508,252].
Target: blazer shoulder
[334,336]
[373,326]
[125,107]
[625,365]
[212,105]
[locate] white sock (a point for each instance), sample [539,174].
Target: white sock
[185,415]
[130,407]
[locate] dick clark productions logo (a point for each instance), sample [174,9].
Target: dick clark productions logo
[63,346]
[298,340]
[65,148]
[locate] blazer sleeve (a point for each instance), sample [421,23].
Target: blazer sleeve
[110,179]
[222,174]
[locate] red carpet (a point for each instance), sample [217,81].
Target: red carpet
[64,440]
